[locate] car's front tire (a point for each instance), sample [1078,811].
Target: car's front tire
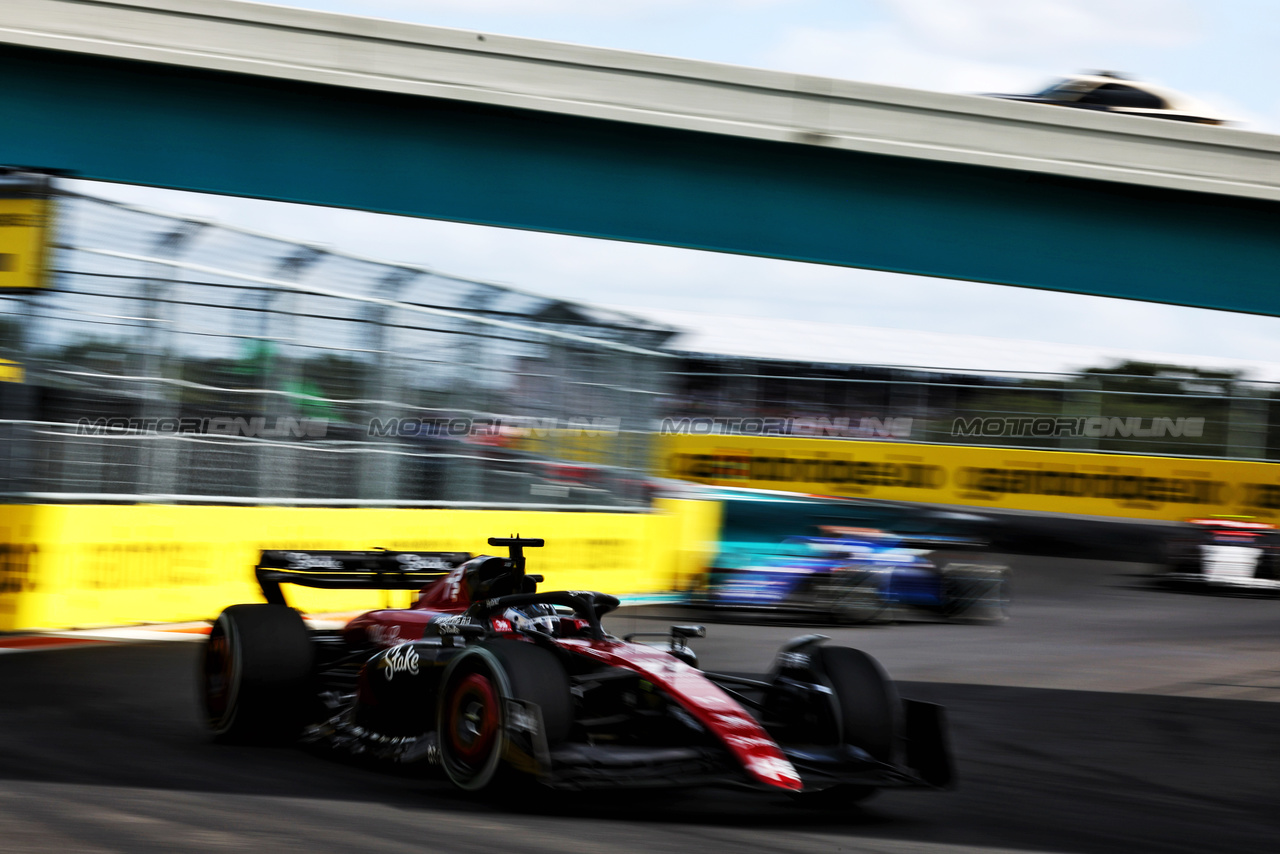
[256,674]
[472,714]
[868,715]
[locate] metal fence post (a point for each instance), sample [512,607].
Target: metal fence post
[379,474]
[160,457]
[277,462]
[1084,401]
[1247,423]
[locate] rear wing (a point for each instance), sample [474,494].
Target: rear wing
[375,570]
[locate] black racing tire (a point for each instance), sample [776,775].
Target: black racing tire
[471,717]
[1268,565]
[854,602]
[976,592]
[537,676]
[868,712]
[999,598]
[256,674]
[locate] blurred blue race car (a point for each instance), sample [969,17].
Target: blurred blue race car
[857,575]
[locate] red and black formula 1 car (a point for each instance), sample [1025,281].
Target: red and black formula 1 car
[497,683]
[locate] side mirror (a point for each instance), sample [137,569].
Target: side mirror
[679,646]
[677,641]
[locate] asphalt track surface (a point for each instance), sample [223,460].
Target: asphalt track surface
[1102,717]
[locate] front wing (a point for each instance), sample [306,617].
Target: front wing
[925,763]
[926,760]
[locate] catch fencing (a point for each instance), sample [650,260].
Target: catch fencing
[179,361]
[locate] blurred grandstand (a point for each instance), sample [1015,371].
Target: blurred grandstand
[765,376]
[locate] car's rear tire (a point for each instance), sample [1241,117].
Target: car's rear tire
[471,719]
[868,714]
[976,592]
[256,674]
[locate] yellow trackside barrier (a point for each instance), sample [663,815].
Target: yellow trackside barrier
[1006,478]
[73,565]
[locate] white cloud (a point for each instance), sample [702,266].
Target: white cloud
[986,45]
[1030,27]
[885,54]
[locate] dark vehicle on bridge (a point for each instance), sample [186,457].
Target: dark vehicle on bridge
[499,684]
[1109,92]
[1224,553]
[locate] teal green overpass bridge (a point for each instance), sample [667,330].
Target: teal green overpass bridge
[274,103]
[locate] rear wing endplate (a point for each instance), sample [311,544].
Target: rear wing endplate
[331,570]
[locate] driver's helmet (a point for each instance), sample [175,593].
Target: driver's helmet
[534,618]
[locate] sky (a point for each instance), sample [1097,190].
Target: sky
[1222,53]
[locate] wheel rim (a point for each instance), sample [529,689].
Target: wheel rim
[472,724]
